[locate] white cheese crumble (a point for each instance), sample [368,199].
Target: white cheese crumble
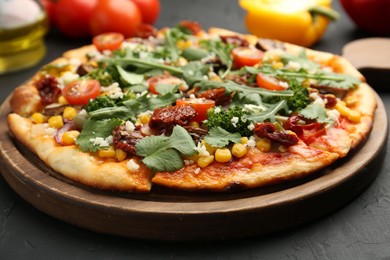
[132,165]
[129,126]
[83,112]
[192,96]
[254,109]
[293,66]
[50,130]
[188,162]
[334,115]
[114,91]
[197,170]
[202,150]
[234,121]
[217,110]
[101,142]
[317,99]
[251,126]
[66,78]
[251,143]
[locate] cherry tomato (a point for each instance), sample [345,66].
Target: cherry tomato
[79,92]
[108,41]
[122,16]
[150,10]
[245,56]
[201,105]
[145,30]
[165,80]
[72,16]
[267,82]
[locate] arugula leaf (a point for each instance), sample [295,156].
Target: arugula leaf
[222,50]
[172,36]
[194,72]
[129,77]
[121,112]
[93,129]
[162,153]
[219,137]
[315,111]
[269,114]
[163,89]
[302,59]
[193,54]
[338,81]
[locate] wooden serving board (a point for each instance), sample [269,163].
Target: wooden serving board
[171,215]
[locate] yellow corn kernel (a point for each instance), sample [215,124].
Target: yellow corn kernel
[342,108]
[204,161]
[182,44]
[69,137]
[56,122]
[62,100]
[69,113]
[194,124]
[38,118]
[223,155]
[354,116]
[209,148]
[306,83]
[350,101]
[244,140]
[107,153]
[215,78]
[144,119]
[264,144]
[277,65]
[239,150]
[120,155]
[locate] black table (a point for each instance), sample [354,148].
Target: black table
[359,230]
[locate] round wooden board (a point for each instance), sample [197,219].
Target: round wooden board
[170,215]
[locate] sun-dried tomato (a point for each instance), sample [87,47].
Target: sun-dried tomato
[125,140]
[48,89]
[164,119]
[269,131]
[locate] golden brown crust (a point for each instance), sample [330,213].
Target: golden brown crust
[76,165]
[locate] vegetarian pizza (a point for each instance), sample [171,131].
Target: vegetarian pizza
[190,109]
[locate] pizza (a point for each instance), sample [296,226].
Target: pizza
[193,110]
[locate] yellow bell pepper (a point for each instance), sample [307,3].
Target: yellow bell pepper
[301,22]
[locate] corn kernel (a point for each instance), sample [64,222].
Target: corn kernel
[244,140]
[342,108]
[62,100]
[239,150]
[120,155]
[277,65]
[38,118]
[107,153]
[354,116]
[69,137]
[56,122]
[194,124]
[181,44]
[216,78]
[204,161]
[264,144]
[223,155]
[306,83]
[69,113]
[209,148]
[350,101]
[144,119]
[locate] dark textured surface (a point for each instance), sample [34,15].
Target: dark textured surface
[360,230]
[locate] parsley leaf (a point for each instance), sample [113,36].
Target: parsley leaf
[232,120]
[162,153]
[315,111]
[219,137]
[93,129]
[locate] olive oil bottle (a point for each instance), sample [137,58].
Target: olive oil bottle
[23,24]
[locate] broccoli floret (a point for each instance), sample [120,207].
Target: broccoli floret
[231,120]
[301,97]
[99,102]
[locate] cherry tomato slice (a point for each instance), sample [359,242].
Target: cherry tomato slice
[201,105]
[165,80]
[108,41]
[246,56]
[267,82]
[79,92]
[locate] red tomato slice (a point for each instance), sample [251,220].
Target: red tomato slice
[165,80]
[267,82]
[245,56]
[108,41]
[79,92]
[201,105]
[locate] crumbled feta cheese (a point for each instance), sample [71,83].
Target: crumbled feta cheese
[202,151]
[197,170]
[251,127]
[192,96]
[129,126]
[293,65]
[114,91]
[217,110]
[284,84]
[50,130]
[254,109]
[132,165]
[102,142]
[66,78]
[251,143]
[234,121]
[75,62]
[188,162]
[317,99]
[334,115]
[83,112]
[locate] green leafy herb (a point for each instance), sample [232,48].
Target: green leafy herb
[315,111]
[162,153]
[93,129]
[300,99]
[194,54]
[232,120]
[99,102]
[129,77]
[269,114]
[194,72]
[112,112]
[222,50]
[219,137]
